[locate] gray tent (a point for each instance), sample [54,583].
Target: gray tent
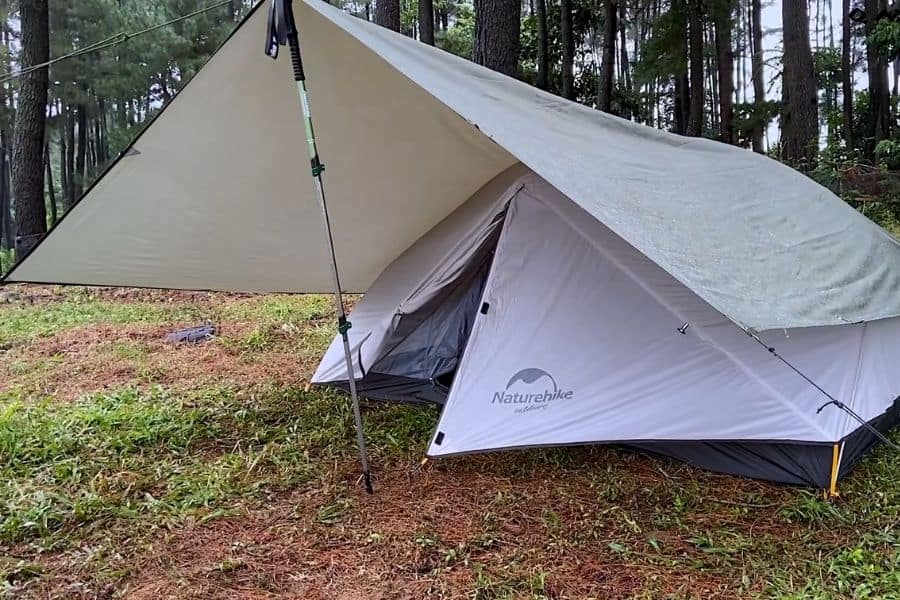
[551,274]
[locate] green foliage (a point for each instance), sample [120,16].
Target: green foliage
[888,152]
[827,65]
[885,38]
[7,259]
[459,38]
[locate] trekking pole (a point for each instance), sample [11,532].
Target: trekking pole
[283,31]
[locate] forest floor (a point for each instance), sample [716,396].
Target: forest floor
[131,467]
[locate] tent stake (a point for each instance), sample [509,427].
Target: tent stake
[283,31]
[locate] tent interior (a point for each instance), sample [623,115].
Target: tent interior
[532,324]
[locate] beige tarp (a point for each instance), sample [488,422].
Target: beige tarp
[218,194]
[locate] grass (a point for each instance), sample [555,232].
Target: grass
[208,487]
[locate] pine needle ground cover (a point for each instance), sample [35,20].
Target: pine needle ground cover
[133,468]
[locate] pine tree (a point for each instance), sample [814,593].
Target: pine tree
[28,138]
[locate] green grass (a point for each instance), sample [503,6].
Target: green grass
[117,470]
[20,324]
[66,468]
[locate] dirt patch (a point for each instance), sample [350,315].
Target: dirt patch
[102,357]
[425,533]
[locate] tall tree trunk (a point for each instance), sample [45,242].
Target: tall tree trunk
[28,139]
[81,155]
[51,193]
[799,119]
[497,33]
[756,65]
[63,165]
[879,126]
[608,58]
[847,74]
[682,100]
[567,42]
[725,64]
[623,45]
[70,157]
[7,226]
[540,16]
[387,14]
[695,31]
[426,21]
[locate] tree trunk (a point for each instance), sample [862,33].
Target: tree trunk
[28,139]
[567,42]
[847,74]
[63,169]
[540,15]
[81,155]
[497,32]
[608,59]
[799,119]
[879,126]
[759,89]
[695,121]
[51,193]
[682,100]
[426,21]
[7,228]
[725,64]
[70,157]
[387,14]
[623,45]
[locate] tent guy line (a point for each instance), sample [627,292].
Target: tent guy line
[831,399]
[110,42]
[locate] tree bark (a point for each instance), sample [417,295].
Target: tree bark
[497,35]
[879,125]
[81,155]
[695,121]
[623,45]
[7,226]
[387,14]
[51,193]
[63,170]
[725,64]
[28,139]
[799,119]
[847,74]
[426,21]
[567,42]
[682,100]
[608,58]
[540,16]
[756,65]
[70,157]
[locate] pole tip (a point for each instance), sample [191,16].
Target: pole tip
[367,478]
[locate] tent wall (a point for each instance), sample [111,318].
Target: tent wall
[414,320]
[577,311]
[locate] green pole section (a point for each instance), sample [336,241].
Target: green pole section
[285,30]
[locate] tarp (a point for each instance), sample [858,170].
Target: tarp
[217,195]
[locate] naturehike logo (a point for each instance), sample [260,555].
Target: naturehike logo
[538,390]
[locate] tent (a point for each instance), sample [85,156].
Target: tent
[548,273]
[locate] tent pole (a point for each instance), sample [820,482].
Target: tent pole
[283,29]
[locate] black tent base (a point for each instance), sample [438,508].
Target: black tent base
[808,464]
